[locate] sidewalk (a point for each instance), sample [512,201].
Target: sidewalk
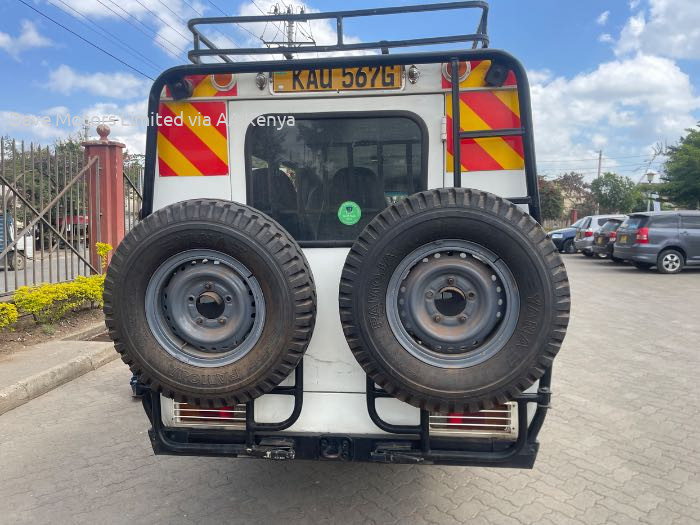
[32,372]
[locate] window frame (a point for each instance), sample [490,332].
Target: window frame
[424,150]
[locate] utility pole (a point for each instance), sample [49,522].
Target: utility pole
[600,162]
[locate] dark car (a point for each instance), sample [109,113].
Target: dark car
[604,239]
[668,240]
[563,238]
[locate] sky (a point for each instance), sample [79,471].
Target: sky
[617,76]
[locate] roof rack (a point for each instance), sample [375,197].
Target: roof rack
[204,47]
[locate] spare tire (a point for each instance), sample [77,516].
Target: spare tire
[209,302]
[454,300]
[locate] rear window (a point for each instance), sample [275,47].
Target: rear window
[633,223]
[325,178]
[610,225]
[602,221]
[664,221]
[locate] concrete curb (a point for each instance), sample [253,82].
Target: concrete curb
[33,386]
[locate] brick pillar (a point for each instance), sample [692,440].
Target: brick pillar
[105,192]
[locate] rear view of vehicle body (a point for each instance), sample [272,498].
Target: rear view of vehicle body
[668,240]
[385,293]
[583,241]
[563,238]
[604,239]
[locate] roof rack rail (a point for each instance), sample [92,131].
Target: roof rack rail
[204,47]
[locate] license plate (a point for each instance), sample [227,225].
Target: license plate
[556,236]
[338,79]
[623,239]
[600,240]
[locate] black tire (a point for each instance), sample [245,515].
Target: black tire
[670,261]
[568,247]
[16,261]
[642,266]
[587,253]
[514,239]
[232,230]
[616,260]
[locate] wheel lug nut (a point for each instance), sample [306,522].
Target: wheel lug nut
[463,318]
[199,320]
[437,318]
[207,285]
[450,280]
[222,320]
[429,293]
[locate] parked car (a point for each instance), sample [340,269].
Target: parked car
[583,241]
[604,239]
[668,240]
[563,238]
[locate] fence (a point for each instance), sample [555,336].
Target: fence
[50,216]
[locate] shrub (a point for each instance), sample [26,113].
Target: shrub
[49,302]
[8,315]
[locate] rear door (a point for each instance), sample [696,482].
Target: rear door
[627,232]
[323,178]
[690,237]
[584,225]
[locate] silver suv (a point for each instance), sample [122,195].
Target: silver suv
[583,241]
[668,240]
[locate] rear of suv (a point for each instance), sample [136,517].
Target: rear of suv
[583,241]
[669,240]
[604,239]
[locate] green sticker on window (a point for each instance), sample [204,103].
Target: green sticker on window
[349,213]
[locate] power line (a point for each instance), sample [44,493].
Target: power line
[165,22]
[86,40]
[137,27]
[109,35]
[595,159]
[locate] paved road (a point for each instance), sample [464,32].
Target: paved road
[60,265]
[621,444]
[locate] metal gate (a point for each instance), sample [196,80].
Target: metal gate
[46,222]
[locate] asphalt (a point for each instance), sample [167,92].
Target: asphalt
[619,445]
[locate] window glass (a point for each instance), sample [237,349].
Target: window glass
[610,225]
[664,221]
[691,221]
[633,223]
[577,223]
[325,178]
[602,221]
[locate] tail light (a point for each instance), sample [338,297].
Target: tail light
[613,236]
[588,233]
[643,235]
[463,69]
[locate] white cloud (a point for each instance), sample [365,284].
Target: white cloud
[603,18]
[127,122]
[66,80]
[28,38]
[621,106]
[668,28]
[606,38]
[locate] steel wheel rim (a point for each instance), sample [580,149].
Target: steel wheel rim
[671,261]
[205,308]
[473,269]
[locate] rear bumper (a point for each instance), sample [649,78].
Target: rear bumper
[404,444]
[636,253]
[584,244]
[329,447]
[602,249]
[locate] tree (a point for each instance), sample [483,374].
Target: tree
[615,193]
[681,182]
[551,199]
[576,192]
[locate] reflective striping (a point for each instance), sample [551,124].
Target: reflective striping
[486,110]
[192,139]
[176,163]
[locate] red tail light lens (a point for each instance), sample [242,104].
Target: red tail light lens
[588,233]
[613,235]
[643,235]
